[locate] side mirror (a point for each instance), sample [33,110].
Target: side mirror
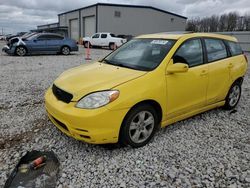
[177,68]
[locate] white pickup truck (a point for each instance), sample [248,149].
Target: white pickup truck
[103,40]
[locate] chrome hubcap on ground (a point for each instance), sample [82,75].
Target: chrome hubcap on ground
[141,127]
[65,50]
[234,95]
[21,51]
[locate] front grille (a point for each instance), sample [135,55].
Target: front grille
[61,95]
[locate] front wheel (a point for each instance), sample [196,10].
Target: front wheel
[233,96]
[21,51]
[139,126]
[65,50]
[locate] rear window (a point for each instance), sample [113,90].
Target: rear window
[216,49]
[103,36]
[235,48]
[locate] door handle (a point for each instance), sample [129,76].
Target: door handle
[203,72]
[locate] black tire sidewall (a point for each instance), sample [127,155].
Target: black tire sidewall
[227,105]
[124,137]
[63,48]
[23,48]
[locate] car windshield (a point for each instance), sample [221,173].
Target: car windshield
[140,54]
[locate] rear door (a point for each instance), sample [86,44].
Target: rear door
[218,65]
[54,43]
[104,40]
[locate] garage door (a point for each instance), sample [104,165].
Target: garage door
[74,29]
[89,26]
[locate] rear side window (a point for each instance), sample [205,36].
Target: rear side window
[190,53]
[216,49]
[54,37]
[235,48]
[103,36]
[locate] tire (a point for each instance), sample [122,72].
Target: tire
[134,131]
[21,51]
[233,96]
[111,46]
[65,50]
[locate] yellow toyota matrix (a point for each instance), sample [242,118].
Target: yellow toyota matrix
[149,82]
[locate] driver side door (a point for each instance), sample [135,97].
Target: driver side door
[40,44]
[95,40]
[186,91]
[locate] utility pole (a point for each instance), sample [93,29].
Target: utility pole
[2,30]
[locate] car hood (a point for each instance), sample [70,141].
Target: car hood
[86,79]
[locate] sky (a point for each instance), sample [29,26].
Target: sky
[23,15]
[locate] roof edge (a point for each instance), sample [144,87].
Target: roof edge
[124,5]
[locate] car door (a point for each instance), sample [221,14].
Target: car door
[103,40]
[54,43]
[95,40]
[39,44]
[186,91]
[219,70]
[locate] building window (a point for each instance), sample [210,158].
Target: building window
[117,14]
[172,20]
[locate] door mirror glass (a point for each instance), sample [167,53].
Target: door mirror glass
[177,68]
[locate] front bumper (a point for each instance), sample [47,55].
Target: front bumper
[8,50]
[97,126]
[75,48]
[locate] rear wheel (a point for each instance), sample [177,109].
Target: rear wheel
[233,96]
[112,46]
[139,126]
[21,51]
[65,50]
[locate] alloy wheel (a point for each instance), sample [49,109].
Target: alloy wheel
[234,95]
[141,126]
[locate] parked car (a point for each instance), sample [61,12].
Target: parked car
[40,43]
[2,37]
[103,40]
[151,81]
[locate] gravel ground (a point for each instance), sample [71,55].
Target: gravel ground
[208,150]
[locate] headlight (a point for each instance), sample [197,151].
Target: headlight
[98,99]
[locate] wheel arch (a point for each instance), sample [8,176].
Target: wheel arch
[65,45]
[150,102]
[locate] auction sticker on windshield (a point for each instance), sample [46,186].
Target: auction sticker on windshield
[161,42]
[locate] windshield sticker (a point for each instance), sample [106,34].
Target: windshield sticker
[161,42]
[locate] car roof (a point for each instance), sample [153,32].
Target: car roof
[178,35]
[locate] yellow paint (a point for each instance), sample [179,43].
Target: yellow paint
[181,92]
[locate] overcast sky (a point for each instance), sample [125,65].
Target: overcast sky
[23,15]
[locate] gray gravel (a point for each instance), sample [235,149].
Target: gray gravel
[208,150]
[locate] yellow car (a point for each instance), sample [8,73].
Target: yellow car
[149,82]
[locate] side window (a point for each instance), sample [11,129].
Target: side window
[96,36]
[54,37]
[104,36]
[190,53]
[216,49]
[43,37]
[235,48]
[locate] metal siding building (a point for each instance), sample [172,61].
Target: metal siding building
[119,19]
[243,38]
